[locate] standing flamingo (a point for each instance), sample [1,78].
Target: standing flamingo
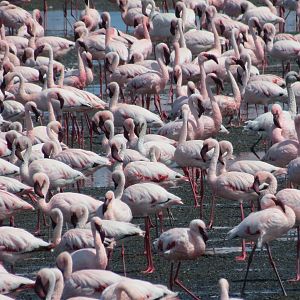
[179,244]
[274,220]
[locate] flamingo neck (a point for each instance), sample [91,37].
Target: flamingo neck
[291,101]
[200,125]
[177,54]
[59,286]
[212,170]
[53,137]
[217,43]
[258,49]
[52,285]
[43,205]
[146,32]
[115,62]
[120,188]
[179,91]
[68,267]
[216,113]
[83,218]
[61,77]
[81,67]
[164,70]
[224,293]
[50,110]
[29,125]
[58,230]
[141,139]
[24,170]
[181,36]
[101,255]
[202,81]
[50,80]
[235,88]
[234,45]
[184,128]
[114,99]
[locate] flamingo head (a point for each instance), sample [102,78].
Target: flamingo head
[232,60]
[128,127]
[41,184]
[217,80]
[115,153]
[104,22]
[97,222]
[207,56]
[176,73]
[208,144]
[47,149]
[269,31]
[41,287]
[276,111]
[10,137]
[173,26]
[109,197]
[292,77]
[199,226]
[38,51]
[89,59]
[254,21]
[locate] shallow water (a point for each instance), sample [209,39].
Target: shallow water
[200,276]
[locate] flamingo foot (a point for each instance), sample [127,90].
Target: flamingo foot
[296,279]
[241,257]
[180,284]
[149,270]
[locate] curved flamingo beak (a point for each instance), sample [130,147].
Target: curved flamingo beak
[203,152]
[256,185]
[38,189]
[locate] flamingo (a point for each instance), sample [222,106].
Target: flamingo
[63,201]
[145,199]
[59,173]
[179,244]
[274,220]
[229,185]
[10,283]
[282,49]
[122,111]
[90,16]
[135,289]
[17,244]
[14,186]
[88,258]
[10,205]
[281,153]
[224,287]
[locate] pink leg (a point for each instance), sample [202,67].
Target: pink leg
[212,211]
[191,181]
[150,266]
[38,224]
[123,259]
[180,284]
[297,278]
[243,256]
[12,221]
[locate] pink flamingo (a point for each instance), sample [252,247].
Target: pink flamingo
[10,283]
[229,185]
[63,201]
[179,244]
[224,287]
[14,186]
[10,205]
[86,282]
[145,199]
[134,289]
[90,14]
[88,258]
[274,220]
[283,152]
[17,244]
[155,82]
[143,46]
[122,111]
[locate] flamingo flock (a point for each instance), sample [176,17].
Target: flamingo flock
[153,139]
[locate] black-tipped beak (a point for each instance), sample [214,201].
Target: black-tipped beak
[204,235]
[99,228]
[60,135]
[255,186]
[18,153]
[218,82]
[89,63]
[24,58]
[203,152]
[126,133]
[173,28]
[280,204]
[36,113]
[212,57]
[177,12]
[38,51]
[167,56]
[61,100]
[241,63]
[83,45]
[276,120]
[244,37]
[1,107]
[115,153]
[74,220]
[220,158]
[95,127]
[200,109]
[38,190]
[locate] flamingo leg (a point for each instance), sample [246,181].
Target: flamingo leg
[171,277]
[150,266]
[123,259]
[244,254]
[12,221]
[188,174]
[297,278]
[171,217]
[212,211]
[275,269]
[161,221]
[253,147]
[37,230]
[180,284]
[248,267]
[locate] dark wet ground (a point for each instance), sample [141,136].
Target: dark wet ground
[200,276]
